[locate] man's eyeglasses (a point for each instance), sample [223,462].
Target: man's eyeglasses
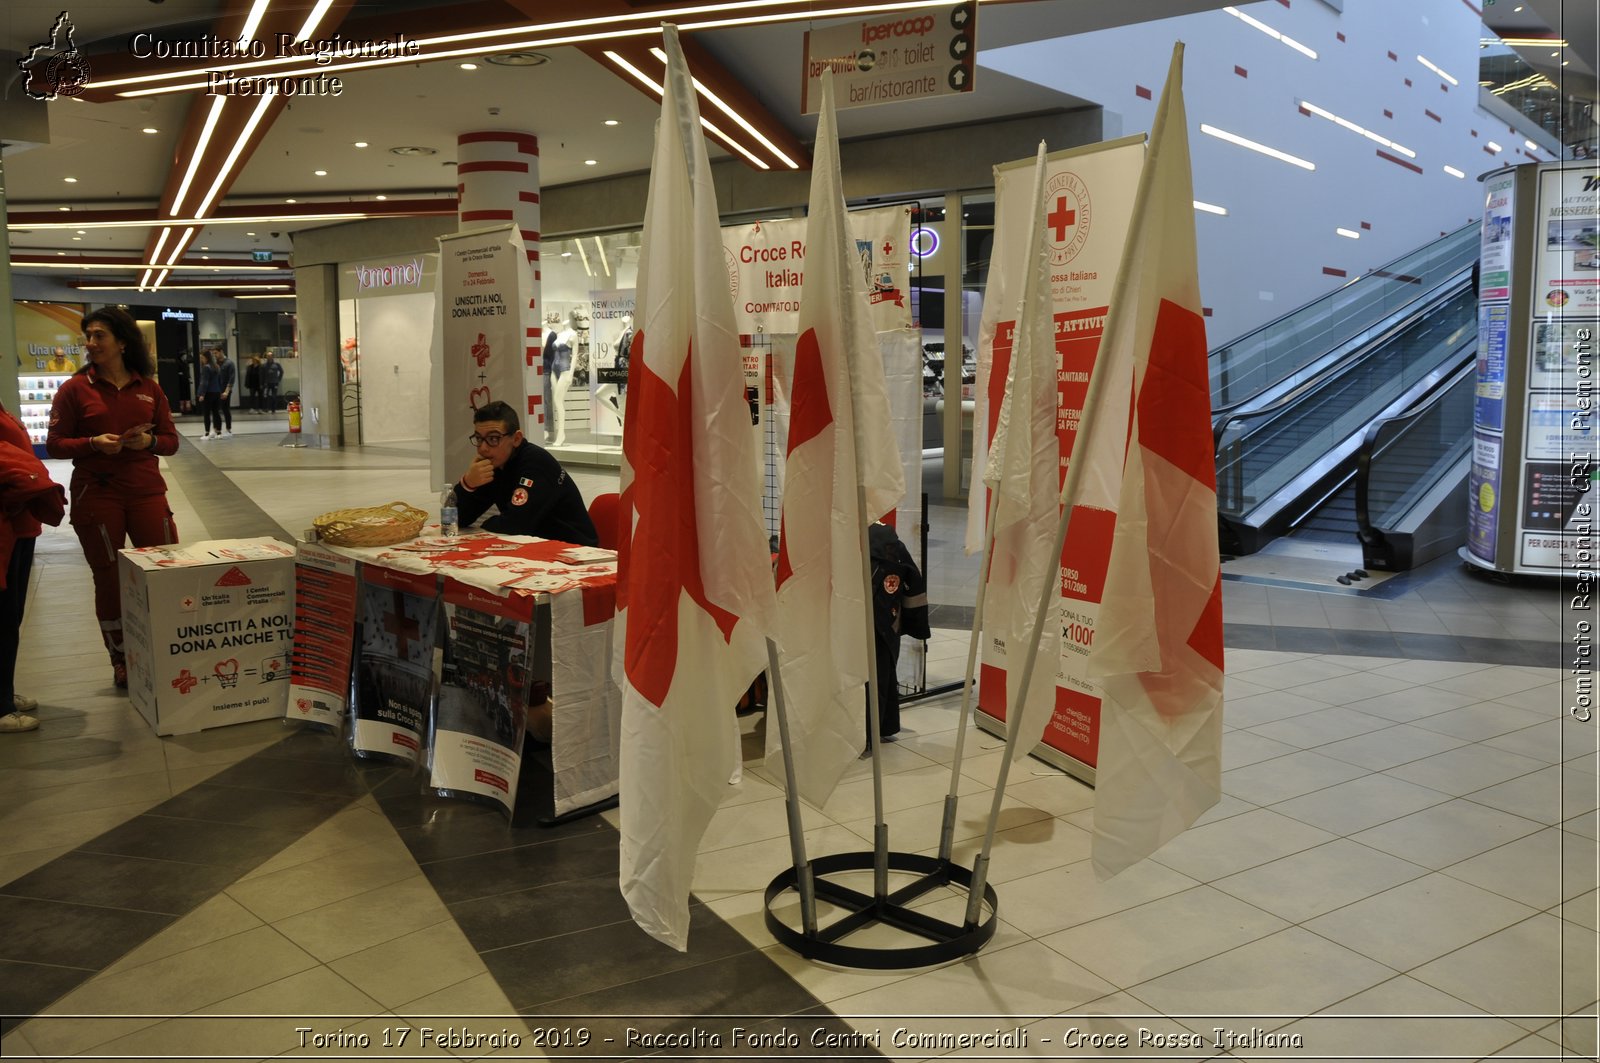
[493,439]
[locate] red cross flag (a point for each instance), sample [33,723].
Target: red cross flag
[1158,644]
[841,454]
[694,578]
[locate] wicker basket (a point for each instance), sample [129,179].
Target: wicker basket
[370,525]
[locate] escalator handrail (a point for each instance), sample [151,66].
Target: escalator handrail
[1328,295]
[1369,443]
[1223,419]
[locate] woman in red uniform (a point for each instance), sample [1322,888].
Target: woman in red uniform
[112,419]
[27,496]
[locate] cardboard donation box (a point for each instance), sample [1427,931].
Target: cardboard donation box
[208,627]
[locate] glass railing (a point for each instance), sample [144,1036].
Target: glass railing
[1261,452]
[1341,319]
[1404,456]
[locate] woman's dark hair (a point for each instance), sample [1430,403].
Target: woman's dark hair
[135,355]
[205,357]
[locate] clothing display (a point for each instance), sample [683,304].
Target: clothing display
[534,496]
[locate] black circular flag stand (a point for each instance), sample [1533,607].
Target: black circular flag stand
[947,941]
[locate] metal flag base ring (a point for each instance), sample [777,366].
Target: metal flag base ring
[948,941]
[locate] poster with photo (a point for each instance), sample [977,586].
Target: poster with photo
[1556,431]
[1494,248]
[1561,351]
[611,333]
[1494,332]
[394,666]
[325,586]
[1567,274]
[476,748]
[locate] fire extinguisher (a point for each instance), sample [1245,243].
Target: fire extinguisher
[294,417]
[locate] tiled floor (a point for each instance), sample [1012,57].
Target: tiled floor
[1403,863]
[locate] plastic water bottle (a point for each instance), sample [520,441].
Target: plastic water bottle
[449,521]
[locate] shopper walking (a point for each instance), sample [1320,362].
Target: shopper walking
[271,377]
[210,391]
[226,372]
[252,382]
[27,497]
[112,420]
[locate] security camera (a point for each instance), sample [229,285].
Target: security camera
[276,235]
[494,112]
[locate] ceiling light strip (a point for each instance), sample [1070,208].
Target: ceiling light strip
[198,153]
[182,245]
[25,258]
[258,11]
[583,258]
[1234,138]
[1347,124]
[166,231]
[239,145]
[738,118]
[656,88]
[1270,32]
[448,207]
[605,267]
[310,25]
[1427,63]
[604,28]
[1210,208]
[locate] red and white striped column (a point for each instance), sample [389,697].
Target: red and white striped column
[497,174]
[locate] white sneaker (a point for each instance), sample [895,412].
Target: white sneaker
[228,434]
[206,436]
[22,704]
[17,722]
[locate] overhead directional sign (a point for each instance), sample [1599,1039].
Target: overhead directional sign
[907,55]
[257,255]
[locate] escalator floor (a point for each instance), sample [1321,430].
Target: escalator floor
[1305,564]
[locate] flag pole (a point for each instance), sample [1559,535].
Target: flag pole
[880,829]
[797,839]
[1069,490]
[947,828]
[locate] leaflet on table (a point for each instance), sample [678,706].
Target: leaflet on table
[325,585]
[395,668]
[476,745]
[208,552]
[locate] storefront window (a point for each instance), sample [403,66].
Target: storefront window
[587,292]
[264,331]
[386,326]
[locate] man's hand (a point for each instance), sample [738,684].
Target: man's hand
[478,473]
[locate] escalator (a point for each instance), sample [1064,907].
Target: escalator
[1287,459]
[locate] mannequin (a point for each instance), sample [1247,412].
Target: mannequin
[558,344]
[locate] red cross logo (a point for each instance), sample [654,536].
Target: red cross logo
[402,627]
[809,415]
[888,248]
[185,682]
[1061,219]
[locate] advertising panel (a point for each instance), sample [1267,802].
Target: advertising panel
[1483,501]
[1567,244]
[1494,247]
[394,669]
[1489,409]
[208,627]
[325,585]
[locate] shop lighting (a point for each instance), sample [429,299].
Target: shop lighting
[150,129]
[1496,148]
[1536,82]
[571,31]
[1531,145]
[257,219]
[655,87]
[583,258]
[1347,124]
[1534,42]
[1350,234]
[361,143]
[131,263]
[1425,62]
[738,119]
[1270,32]
[1211,208]
[197,154]
[319,173]
[239,145]
[1234,138]
[70,180]
[205,286]
[605,267]
[611,121]
[1453,172]
[280,295]
[591,162]
[469,66]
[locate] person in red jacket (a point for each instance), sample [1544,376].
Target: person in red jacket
[27,497]
[112,420]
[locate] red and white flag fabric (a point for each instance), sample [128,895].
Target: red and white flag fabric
[694,591]
[840,438]
[1023,470]
[1158,644]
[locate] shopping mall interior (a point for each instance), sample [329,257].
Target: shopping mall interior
[1403,860]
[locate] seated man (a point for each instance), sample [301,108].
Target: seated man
[533,493]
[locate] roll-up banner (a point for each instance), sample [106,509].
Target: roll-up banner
[489,332]
[395,667]
[1089,194]
[767,259]
[476,748]
[325,590]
